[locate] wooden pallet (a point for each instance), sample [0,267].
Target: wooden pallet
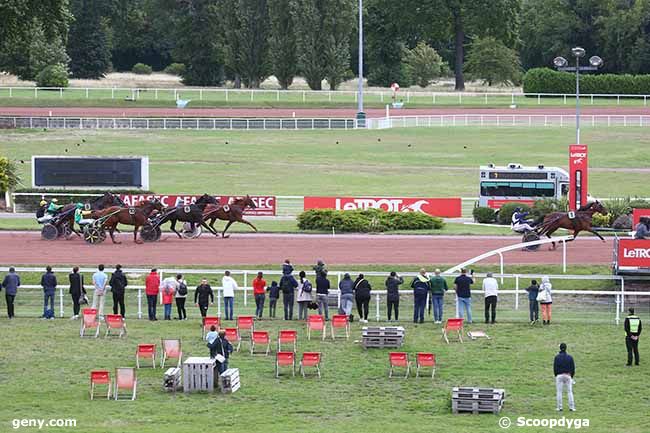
[476,406]
[477,400]
[382,331]
[172,379]
[382,342]
[199,374]
[229,381]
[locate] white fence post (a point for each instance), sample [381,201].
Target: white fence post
[516,292]
[139,303]
[60,301]
[377,298]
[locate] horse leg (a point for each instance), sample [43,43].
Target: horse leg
[214,230]
[205,226]
[223,235]
[135,235]
[111,231]
[173,227]
[597,234]
[249,223]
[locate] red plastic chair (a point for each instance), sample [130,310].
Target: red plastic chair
[453,325]
[401,360]
[100,377]
[115,322]
[245,323]
[260,338]
[145,351]
[209,322]
[171,349]
[340,321]
[316,323]
[125,379]
[310,359]
[425,360]
[287,336]
[89,321]
[285,359]
[232,335]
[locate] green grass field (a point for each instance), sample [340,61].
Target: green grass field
[439,162]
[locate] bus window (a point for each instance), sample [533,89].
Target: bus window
[564,188]
[517,189]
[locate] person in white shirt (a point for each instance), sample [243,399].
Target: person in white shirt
[228,285]
[99,282]
[491,290]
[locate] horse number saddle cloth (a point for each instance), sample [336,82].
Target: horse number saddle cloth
[226,208]
[132,211]
[571,215]
[187,209]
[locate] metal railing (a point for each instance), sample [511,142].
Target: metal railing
[605,305]
[212,94]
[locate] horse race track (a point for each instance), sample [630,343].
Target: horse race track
[22,248]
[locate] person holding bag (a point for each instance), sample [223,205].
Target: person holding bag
[181,297]
[304,296]
[545,299]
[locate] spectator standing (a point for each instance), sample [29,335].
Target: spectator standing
[76,291]
[533,306]
[228,285]
[462,285]
[99,283]
[564,370]
[491,292]
[259,292]
[322,292]
[545,298]
[392,294]
[181,297]
[274,294]
[168,287]
[288,285]
[346,290]
[362,290]
[320,268]
[421,287]
[642,229]
[203,296]
[632,332]
[151,289]
[304,296]
[48,282]
[220,349]
[10,283]
[438,289]
[118,285]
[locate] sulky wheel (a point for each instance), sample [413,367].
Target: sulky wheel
[64,230]
[188,233]
[94,235]
[49,232]
[530,237]
[149,233]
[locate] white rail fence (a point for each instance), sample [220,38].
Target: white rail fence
[582,305]
[306,96]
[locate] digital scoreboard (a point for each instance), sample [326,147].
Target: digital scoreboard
[90,172]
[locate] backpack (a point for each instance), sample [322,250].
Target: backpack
[306,287]
[182,289]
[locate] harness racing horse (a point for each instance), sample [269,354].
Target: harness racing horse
[580,222]
[133,216]
[192,214]
[231,212]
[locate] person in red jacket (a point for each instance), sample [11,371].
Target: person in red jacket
[152,286]
[259,292]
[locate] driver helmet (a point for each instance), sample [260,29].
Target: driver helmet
[517,209]
[42,203]
[54,200]
[79,205]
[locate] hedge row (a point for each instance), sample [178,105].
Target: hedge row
[544,80]
[371,220]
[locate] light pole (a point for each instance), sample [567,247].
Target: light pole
[561,63]
[361,116]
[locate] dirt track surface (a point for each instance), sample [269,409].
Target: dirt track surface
[24,248]
[303,112]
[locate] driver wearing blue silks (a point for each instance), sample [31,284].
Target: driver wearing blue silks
[519,222]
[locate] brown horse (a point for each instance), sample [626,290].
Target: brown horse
[231,212]
[133,216]
[580,222]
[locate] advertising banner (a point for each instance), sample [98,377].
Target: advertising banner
[578,169]
[634,252]
[266,204]
[441,207]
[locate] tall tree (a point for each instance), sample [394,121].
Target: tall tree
[282,46]
[338,24]
[88,48]
[308,23]
[490,60]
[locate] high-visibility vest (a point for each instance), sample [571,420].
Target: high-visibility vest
[635,321]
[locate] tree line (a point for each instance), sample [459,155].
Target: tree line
[246,41]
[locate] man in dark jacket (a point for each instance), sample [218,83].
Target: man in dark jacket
[48,282]
[288,286]
[118,285]
[322,292]
[392,294]
[221,346]
[320,268]
[203,297]
[362,290]
[632,332]
[11,283]
[421,287]
[76,291]
[346,291]
[564,369]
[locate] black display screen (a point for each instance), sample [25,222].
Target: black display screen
[87,172]
[516,175]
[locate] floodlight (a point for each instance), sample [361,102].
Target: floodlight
[595,61]
[560,62]
[578,51]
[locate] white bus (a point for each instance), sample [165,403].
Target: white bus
[517,183]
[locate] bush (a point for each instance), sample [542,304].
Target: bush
[175,69]
[545,80]
[624,222]
[600,220]
[638,203]
[617,207]
[484,215]
[53,76]
[506,211]
[543,207]
[370,220]
[141,69]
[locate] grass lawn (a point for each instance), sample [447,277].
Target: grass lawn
[440,162]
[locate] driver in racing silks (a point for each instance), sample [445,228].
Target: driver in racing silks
[80,213]
[46,211]
[53,208]
[519,222]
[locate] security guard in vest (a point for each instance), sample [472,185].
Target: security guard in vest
[632,331]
